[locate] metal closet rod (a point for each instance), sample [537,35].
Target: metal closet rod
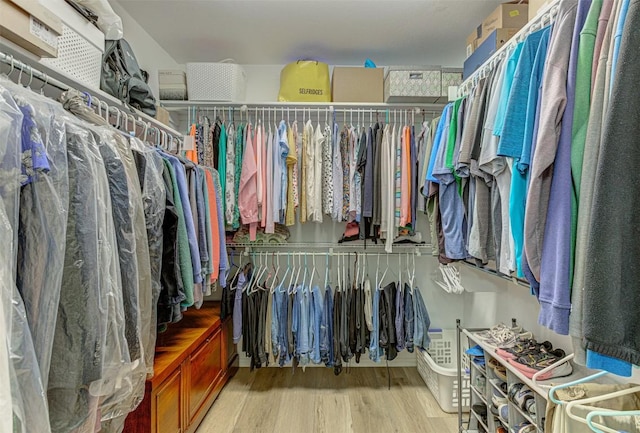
[322,254]
[162,133]
[545,17]
[371,112]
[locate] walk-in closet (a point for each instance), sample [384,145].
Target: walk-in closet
[238,216]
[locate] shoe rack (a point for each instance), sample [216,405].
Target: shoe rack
[483,381]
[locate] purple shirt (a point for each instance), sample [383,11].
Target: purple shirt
[555,266]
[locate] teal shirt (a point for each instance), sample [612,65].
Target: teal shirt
[509,74]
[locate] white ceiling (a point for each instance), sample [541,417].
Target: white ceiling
[390,32]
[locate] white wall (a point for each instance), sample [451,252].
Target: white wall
[151,56]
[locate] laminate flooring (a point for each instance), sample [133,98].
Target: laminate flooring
[317,401]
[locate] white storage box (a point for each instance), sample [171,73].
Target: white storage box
[173,85]
[80,47]
[450,77]
[413,84]
[438,368]
[216,82]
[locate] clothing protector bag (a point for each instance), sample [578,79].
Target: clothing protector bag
[305,81]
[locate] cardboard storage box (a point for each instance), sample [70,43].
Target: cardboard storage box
[172,85]
[536,6]
[413,84]
[472,40]
[496,39]
[512,14]
[357,84]
[450,77]
[31,26]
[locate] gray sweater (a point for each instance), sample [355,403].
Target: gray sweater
[612,280]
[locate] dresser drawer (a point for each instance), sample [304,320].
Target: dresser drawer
[205,369]
[168,407]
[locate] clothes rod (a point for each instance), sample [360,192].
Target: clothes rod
[545,16]
[162,132]
[247,252]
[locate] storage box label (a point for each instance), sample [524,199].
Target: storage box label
[514,13]
[42,32]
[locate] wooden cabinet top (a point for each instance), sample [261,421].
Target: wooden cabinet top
[180,339]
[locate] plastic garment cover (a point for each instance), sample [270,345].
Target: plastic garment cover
[108,21]
[130,390]
[89,344]
[150,169]
[25,393]
[44,206]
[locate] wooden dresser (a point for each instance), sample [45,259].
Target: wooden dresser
[194,359]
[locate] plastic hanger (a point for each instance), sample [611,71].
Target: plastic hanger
[412,274]
[552,391]
[286,272]
[326,273]
[313,271]
[605,413]
[235,276]
[582,404]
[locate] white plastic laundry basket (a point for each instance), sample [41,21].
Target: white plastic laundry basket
[438,368]
[216,82]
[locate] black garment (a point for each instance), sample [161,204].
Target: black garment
[409,319]
[353,300]
[154,204]
[345,349]
[172,290]
[377,185]
[76,359]
[123,223]
[387,321]
[337,321]
[215,144]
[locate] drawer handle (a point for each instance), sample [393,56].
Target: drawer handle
[415,75]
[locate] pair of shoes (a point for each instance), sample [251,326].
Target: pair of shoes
[501,385]
[481,384]
[525,427]
[497,397]
[520,394]
[502,336]
[523,346]
[530,364]
[475,351]
[498,369]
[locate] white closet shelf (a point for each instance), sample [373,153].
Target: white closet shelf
[338,106]
[540,387]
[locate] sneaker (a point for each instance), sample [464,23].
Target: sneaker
[497,398]
[524,346]
[501,385]
[475,351]
[564,369]
[520,395]
[531,408]
[501,373]
[503,413]
[480,382]
[525,427]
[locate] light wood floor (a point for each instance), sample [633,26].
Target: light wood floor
[317,401]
